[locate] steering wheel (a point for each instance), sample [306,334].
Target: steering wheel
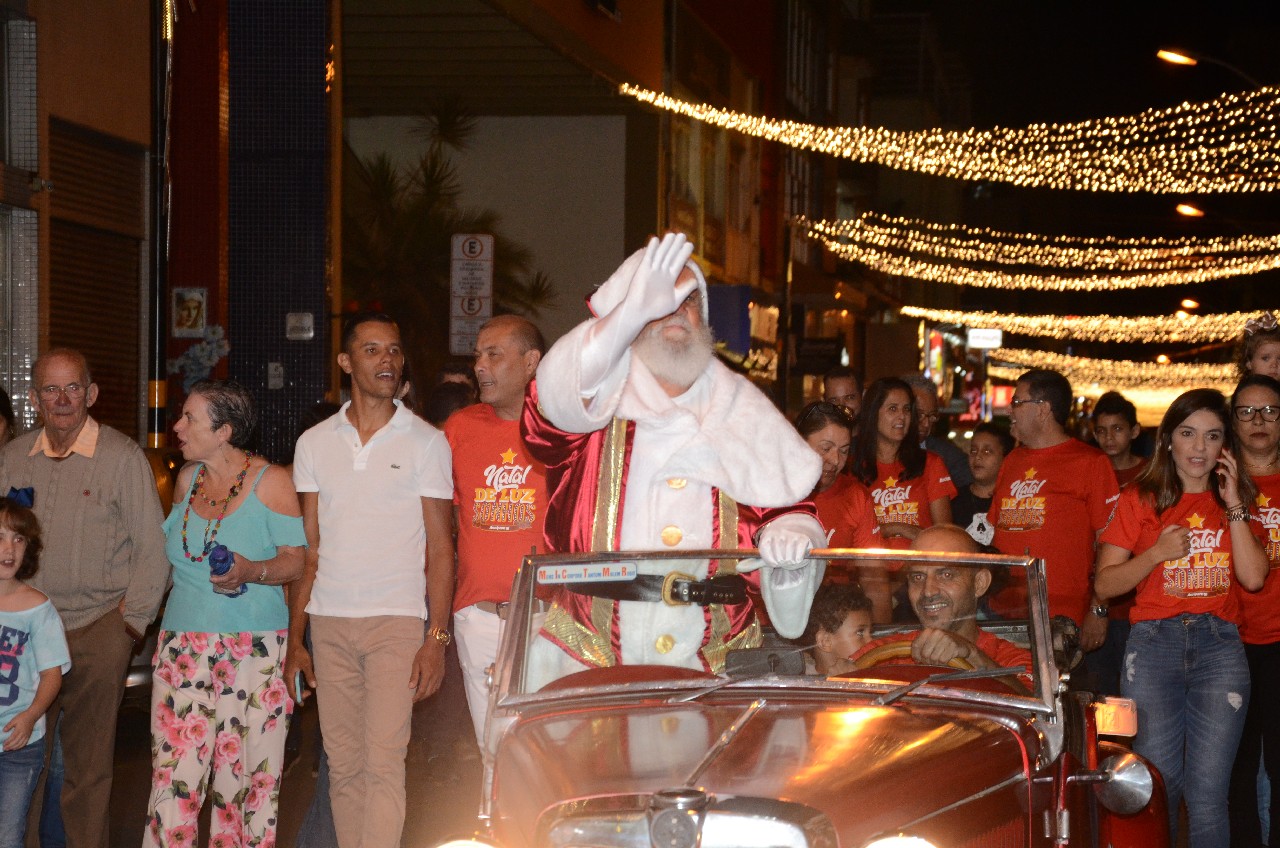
[899,648]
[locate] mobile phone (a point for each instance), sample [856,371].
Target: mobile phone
[297,687]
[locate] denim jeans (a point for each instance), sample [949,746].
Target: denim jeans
[1189,678]
[52,833]
[19,771]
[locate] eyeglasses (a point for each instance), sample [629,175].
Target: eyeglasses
[1017,402]
[1249,413]
[75,390]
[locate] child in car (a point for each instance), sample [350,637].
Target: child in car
[839,624]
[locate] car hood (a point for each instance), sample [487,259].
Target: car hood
[869,769]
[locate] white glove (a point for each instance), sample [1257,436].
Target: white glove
[784,548]
[625,305]
[789,578]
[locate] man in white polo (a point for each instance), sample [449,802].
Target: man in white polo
[376,486]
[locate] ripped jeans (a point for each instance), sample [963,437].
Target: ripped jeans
[1190,680]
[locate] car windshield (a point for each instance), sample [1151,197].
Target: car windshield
[882,619]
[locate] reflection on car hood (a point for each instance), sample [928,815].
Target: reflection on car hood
[869,770]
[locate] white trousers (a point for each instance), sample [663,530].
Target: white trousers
[478,633]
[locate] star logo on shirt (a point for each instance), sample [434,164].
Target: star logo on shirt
[1195,522]
[1031,474]
[1263,500]
[508,456]
[890,482]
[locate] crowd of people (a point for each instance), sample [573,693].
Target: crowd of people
[628,433]
[1163,562]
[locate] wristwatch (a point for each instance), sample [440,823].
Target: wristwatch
[440,635]
[1100,610]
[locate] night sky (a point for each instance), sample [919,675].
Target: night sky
[1057,62]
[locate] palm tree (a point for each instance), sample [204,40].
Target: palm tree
[397,228]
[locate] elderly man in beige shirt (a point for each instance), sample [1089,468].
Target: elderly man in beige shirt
[103,566]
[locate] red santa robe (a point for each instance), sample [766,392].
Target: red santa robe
[634,469]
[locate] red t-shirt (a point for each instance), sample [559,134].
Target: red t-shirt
[1119,607]
[899,501]
[1203,582]
[1050,503]
[846,511]
[500,493]
[1260,611]
[1128,475]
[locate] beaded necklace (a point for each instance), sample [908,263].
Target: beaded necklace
[210,538]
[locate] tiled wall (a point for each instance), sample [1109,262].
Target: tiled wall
[277,202]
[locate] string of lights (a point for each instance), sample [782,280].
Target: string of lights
[959,243]
[943,272]
[1228,144]
[1010,363]
[1176,328]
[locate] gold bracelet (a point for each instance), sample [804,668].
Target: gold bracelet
[1237,514]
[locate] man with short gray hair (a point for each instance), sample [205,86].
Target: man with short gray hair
[103,566]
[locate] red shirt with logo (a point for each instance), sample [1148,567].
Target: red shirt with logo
[1260,611]
[1050,503]
[500,493]
[846,511]
[1202,582]
[898,501]
[1120,606]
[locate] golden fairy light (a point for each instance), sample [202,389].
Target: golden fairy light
[1120,374]
[1180,327]
[1228,144]
[987,258]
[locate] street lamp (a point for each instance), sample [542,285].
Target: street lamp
[1188,57]
[1189,211]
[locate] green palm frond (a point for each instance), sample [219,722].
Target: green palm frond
[397,233]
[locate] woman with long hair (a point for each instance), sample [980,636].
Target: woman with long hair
[1255,407]
[843,503]
[1181,536]
[910,487]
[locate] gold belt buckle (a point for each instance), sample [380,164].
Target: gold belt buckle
[668,585]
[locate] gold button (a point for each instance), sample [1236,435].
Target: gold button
[671,535]
[677,482]
[665,643]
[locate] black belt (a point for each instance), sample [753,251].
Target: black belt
[676,589]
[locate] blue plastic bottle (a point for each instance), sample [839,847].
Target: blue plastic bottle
[220,561]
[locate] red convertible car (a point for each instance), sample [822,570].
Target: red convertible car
[891,754]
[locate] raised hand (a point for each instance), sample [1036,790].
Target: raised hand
[653,292]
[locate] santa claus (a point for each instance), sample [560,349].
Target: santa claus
[651,443]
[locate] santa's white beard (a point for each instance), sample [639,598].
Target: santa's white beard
[678,362]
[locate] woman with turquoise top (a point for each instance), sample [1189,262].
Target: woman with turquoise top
[218,699]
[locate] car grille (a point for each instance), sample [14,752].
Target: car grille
[728,823]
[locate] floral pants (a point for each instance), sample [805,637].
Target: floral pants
[218,702]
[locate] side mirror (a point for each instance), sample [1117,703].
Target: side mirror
[1116,717]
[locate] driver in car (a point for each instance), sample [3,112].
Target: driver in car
[945,599]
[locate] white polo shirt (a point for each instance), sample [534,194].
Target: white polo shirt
[373,543]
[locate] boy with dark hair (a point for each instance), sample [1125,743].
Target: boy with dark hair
[1115,426]
[839,625]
